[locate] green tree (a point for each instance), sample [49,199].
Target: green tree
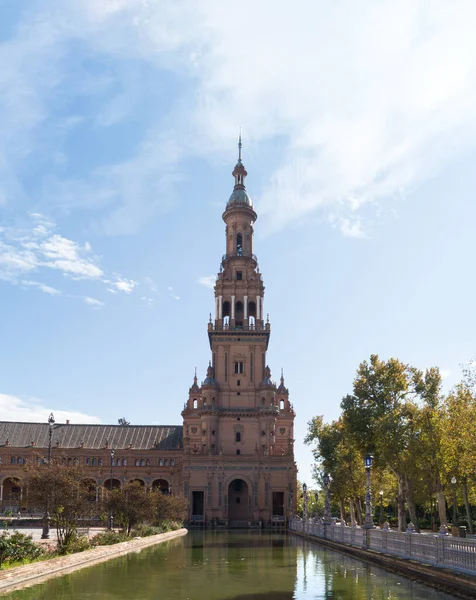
[132,505]
[338,455]
[380,415]
[459,440]
[64,491]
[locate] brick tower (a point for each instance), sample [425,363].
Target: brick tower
[238,464]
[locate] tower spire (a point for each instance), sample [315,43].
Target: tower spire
[240,146]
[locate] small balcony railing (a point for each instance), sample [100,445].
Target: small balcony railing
[239,254]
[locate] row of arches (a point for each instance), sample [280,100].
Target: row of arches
[239,309]
[11,489]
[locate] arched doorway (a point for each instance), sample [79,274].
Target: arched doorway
[11,493]
[116,484]
[162,485]
[238,503]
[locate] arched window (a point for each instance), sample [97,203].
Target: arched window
[147,462]
[204,402]
[113,462]
[19,460]
[161,462]
[70,461]
[94,462]
[166,462]
[76,461]
[252,309]
[100,462]
[137,462]
[239,244]
[39,461]
[172,463]
[13,460]
[238,436]
[226,309]
[195,403]
[124,462]
[88,462]
[142,462]
[239,307]
[281,405]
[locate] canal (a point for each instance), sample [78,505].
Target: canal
[232,565]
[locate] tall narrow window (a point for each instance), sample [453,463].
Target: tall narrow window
[239,244]
[239,275]
[239,367]
[238,436]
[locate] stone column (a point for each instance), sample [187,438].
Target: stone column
[258,306]
[245,306]
[220,307]
[233,307]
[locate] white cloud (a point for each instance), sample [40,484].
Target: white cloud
[366,100]
[37,247]
[34,410]
[369,99]
[93,301]
[41,286]
[124,285]
[208,281]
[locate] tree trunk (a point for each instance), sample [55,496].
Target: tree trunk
[358,507]
[353,522]
[402,521]
[440,498]
[342,510]
[411,504]
[469,518]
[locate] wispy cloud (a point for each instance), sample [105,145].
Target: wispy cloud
[362,113]
[14,408]
[207,281]
[41,286]
[93,301]
[39,249]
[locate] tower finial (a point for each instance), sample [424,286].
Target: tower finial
[240,146]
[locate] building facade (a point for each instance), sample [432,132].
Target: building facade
[234,457]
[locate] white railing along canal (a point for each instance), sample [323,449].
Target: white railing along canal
[437,550]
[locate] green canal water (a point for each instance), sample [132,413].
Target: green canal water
[232,566]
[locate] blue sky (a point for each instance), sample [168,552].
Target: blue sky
[118,130]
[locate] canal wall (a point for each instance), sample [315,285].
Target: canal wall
[458,584]
[28,575]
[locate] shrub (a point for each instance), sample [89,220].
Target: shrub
[75,543]
[17,546]
[108,538]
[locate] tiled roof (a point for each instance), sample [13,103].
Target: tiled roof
[120,437]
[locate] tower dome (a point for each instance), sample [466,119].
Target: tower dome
[239,197]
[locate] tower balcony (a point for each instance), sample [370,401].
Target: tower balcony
[219,326]
[239,254]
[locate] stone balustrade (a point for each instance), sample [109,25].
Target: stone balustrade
[443,551]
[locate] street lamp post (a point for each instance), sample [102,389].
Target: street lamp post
[368,524]
[304,490]
[45,534]
[453,481]
[327,505]
[381,508]
[111,517]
